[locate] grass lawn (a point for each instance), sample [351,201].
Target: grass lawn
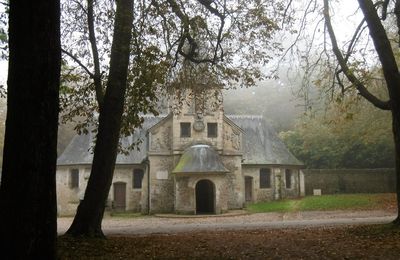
[325,202]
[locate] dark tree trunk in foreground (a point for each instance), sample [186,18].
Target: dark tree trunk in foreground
[396,135]
[87,221]
[28,226]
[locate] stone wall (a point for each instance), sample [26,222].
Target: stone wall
[124,174]
[185,200]
[234,181]
[332,181]
[294,190]
[68,197]
[259,194]
[161,184]
[278,188]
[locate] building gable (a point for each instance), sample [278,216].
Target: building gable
[160,136]
[232,137]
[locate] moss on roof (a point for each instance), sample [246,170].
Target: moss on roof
[200,159]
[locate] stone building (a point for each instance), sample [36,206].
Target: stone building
[194,160]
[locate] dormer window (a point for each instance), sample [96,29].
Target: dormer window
[212,130]
[185,129]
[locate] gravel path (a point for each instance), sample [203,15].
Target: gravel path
[234,221]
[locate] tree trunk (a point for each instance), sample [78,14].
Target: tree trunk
[396,136]
[87,221]
[392,78]
[28,212]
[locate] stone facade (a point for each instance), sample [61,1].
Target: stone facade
[69,195]
[194,160]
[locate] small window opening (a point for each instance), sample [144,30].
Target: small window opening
[137,178]
[288,176]
[74,178]
[185,130]
[265,178]
[212,129]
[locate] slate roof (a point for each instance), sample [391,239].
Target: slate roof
[200,158]
[261,144]
[79,150]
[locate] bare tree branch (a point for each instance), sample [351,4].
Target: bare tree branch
[72,56]
[383,48]
[302,28]
[214,11]
[92,38]
[192,53]
[384,9]
[354,39]
[286,11]
[81,6]
[363,91]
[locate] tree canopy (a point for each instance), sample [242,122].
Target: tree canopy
[348,133]
[234,37]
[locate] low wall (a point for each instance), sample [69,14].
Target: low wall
[332,181]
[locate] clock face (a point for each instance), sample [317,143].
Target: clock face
[198,125]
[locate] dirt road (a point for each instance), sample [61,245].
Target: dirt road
[233,221]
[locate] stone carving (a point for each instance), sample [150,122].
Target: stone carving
[235,139]
[198,124]
[232,138]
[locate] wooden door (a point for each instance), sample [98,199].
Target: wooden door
[119,196]
[248,188]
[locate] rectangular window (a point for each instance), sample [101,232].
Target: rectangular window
[185,130]
[86,173]
[137,178]
[265,178]
[288,178]
[212,129]
[74,178]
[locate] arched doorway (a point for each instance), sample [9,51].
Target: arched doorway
[205,197]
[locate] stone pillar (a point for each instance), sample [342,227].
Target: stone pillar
[302,184]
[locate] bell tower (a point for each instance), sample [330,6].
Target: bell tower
[197,117]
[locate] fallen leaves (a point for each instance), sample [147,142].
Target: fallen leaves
[348,242]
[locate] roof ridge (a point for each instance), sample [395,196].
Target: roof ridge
[151,115]
[246,116]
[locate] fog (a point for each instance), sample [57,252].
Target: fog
[272,99]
